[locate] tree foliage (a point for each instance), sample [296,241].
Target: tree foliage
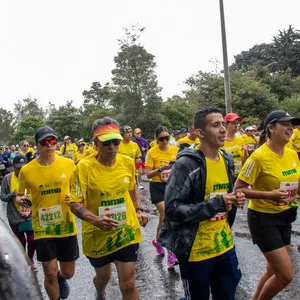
[27,107]
[6,126]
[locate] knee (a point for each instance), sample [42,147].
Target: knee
[127,286]
[67,274]
[287,277]
[103,280]
[51,277]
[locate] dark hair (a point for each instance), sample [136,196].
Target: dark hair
[104,121]
[200,116]
[159,130]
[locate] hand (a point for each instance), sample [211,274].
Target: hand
[228,200]
[143,149]
[67,199]
[14,193]
[21,202]
[138,160]
[143,219]
[239,199]
[278,195]
[166,166]
[106,223]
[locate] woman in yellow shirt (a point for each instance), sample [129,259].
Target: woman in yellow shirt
[273,172]
[79,154]
[159,161]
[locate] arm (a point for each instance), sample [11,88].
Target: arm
[135,197]
[6,195]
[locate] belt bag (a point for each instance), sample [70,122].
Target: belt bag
[25,226]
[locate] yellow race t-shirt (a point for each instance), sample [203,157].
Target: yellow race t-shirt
[90,151]
[78,156]
[156,158]
[213,236]
[234,147]
[265,170]
[296,138]
[131,149]
[103,190]
[69,152]
[250,141]
[48,186]
[187,140]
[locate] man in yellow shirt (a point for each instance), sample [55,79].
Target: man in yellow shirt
[189,139]
[104,197]
[198,195]
[48,179]
[295,140]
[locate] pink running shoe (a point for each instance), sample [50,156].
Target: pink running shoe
[172,260]
[159,249]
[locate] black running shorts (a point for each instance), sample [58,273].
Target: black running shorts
[65,249]
[157,192]
[271,231]
[126,254]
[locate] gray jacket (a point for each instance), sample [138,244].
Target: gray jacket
[13,215]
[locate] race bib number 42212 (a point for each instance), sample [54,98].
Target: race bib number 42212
[50,216]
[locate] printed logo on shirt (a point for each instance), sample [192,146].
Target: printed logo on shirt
[63,175]
[51,191]
[221,186]
[126,180]
[248,170]
[289,172]
[112,202]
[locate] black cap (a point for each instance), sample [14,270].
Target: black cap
[183,130]
[280,116]
[19,160]
[43,132]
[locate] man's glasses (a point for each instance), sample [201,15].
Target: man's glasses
[114,142]
[163,138]
[25,145]
[46,142]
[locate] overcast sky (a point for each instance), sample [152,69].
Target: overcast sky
[53,50]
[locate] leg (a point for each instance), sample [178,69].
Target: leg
[30,244]
[51,285]
[126,274]
[101,279]
[161,210]
[225,276]
[140,173]
[281,264]
[67,269]
[19,235]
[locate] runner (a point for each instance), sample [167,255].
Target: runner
[80,154]
[176,138]
[190,139]
[129,148]
[295,140]
[18,216]
[272,172]
[143,145]
[103,196]
[249,139]
[48,178]
[67,149]
[195,228]
[158,168]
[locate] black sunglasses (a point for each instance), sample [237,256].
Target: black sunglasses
[25,145]
[163,138]
[115,142]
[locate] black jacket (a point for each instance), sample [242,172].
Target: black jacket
[184,200]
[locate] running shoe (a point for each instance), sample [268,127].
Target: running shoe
[140,186]
[34,264]
[172,260]
[64,288]
[159,249]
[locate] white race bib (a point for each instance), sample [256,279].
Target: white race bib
[2,167]
[51,216]
[292,189]
[25,211]
[219,216]
[118,211]
[165,175]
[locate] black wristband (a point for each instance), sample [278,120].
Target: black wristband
[139,209]
[159,170]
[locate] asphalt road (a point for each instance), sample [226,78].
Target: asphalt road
[155,282]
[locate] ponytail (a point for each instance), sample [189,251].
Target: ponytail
[65,147]
[262,137]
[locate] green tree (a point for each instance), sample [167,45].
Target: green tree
[6,127]
[98,95]
[27,107]
[26,129]
[136,97]
[66,120]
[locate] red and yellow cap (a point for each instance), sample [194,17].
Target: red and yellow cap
[107,133]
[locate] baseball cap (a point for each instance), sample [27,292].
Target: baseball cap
[19,160]
[137,130]
[183,130]
[176,132]
[280,116]
[124,129]
[232,117]
[43,132]
[66,137]
[249,128]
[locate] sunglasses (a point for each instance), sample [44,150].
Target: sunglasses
[163,138]
[25,145]
[46,142]
[115,142]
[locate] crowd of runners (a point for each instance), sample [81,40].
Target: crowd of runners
[199,177]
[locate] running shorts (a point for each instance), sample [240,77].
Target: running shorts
[63,249]
[141,165]
[271,231]
[157,192]
[126,254]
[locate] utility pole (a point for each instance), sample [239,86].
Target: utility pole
[225,61]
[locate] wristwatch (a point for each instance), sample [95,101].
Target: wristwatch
[159,170]
[139,209]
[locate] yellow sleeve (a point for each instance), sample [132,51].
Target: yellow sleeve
[149,161]
[79,185]
[251,170]
[133,172]
[22,183]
